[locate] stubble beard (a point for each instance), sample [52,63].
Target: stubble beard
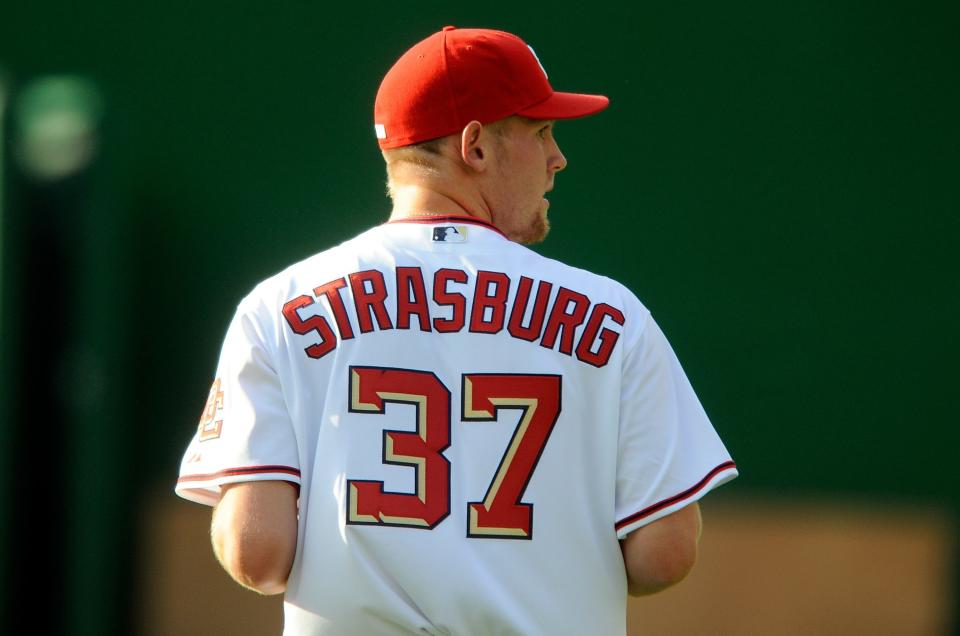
[537,231]
[538,228]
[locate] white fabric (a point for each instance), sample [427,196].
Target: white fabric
[630,444]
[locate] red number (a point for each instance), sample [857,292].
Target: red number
[367,503]
[501,514]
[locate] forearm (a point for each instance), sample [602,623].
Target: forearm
[254,534]
[662,554]
[263,569]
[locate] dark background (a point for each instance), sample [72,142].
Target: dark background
[778,182]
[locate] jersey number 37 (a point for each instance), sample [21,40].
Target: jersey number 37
[501,514]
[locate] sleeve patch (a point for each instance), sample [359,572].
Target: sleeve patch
[209,426]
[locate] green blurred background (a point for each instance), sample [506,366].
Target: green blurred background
[778,182]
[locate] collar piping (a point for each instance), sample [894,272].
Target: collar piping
[433,220]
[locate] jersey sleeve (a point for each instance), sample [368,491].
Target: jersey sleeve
[245,432]
[669,453]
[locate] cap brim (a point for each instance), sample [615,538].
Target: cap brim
[566,106]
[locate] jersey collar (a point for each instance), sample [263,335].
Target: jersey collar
[452,218]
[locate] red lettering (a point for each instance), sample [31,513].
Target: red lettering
[444,298]
[410,281]
[483,300]
[561,319]
[529,318]
[332,292]
[373,300]
[318,324]
[608,337]
[516,328]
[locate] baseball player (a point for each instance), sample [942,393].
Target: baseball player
[430,428]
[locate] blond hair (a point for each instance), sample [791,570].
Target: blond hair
[427,158]
[423,158]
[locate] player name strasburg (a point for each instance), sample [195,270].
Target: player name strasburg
[486,302]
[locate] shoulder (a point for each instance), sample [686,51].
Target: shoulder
[603,295]
[302,276]
[604,288]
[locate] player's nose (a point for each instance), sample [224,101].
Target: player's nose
[557,161]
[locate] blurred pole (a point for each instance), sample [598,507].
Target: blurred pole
[37,231]
[3,153]
[64,446]
[5,419]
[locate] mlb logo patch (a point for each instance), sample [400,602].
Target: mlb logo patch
[450,233]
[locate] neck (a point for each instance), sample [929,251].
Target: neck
[416,200]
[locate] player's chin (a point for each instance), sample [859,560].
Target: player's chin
[536,232]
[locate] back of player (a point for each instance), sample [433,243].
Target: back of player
[471,425]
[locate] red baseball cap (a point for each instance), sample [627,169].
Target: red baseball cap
[456,76]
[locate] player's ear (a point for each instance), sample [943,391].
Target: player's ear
[472,146]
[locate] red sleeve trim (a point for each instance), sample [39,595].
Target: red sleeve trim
[686,494]
[237,472]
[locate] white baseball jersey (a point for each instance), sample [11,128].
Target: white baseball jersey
[472,427]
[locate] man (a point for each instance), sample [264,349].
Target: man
[431,429]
